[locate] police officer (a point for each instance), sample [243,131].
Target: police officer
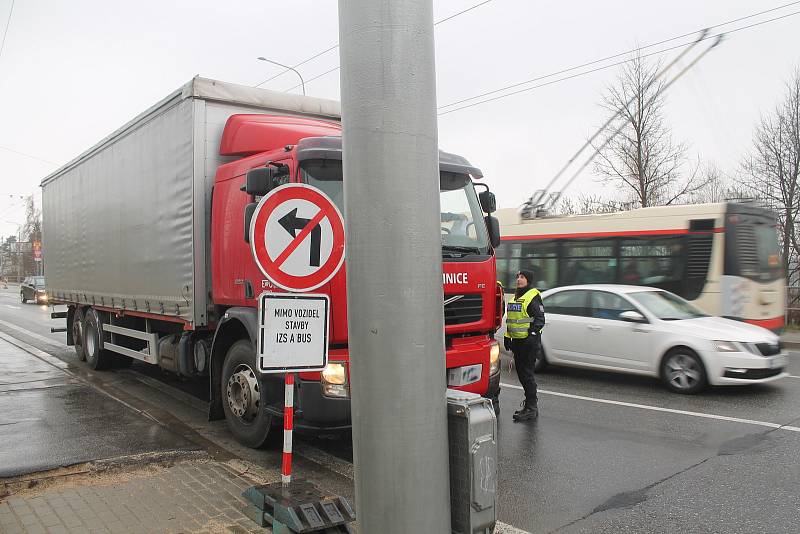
[524,323]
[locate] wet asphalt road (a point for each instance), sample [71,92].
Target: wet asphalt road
[49,418]
[595,464]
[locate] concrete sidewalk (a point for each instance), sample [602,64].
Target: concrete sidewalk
[73,459]
[135,495]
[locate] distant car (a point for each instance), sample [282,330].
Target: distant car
[648,331]
[32,288]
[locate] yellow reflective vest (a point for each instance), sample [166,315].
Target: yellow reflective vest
[517,319]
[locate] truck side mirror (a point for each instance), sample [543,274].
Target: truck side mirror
[493,227]
[249,210]
[262,180]
[488,202]
[259,181]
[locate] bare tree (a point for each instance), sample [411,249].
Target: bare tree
[641,157]
[772,170]
[719,187]
[32,229]
[588,204]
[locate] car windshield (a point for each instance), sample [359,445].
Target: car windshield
[38,281]
[666,306]
[463,229]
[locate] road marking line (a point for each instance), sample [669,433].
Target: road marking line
[12,307]
[501,528]
[660,409]
[34,335]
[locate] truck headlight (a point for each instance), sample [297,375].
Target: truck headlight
[726,346]
[494,358]
[334,381]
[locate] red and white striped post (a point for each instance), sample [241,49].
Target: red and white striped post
[288,425]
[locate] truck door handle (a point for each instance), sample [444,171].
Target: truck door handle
[594,328]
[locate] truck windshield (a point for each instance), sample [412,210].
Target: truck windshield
[463,229]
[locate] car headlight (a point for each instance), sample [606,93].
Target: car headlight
[334,381]
[726,346]
[494,358]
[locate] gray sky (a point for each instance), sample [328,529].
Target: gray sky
[72,72]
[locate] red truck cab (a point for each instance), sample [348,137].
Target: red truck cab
[308,150]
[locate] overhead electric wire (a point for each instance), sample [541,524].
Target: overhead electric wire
[590,71]
[315,56]
[576,67]
[454,15]
[614,117]
[8,23]
[616,132]
[29,156]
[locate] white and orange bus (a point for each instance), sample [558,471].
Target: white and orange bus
[724,257]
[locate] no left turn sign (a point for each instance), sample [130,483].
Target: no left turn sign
[297,237]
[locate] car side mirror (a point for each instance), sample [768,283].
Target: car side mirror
[493,228]
[632,317]
[488,201]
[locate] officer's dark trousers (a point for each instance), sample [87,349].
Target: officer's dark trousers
[525,351]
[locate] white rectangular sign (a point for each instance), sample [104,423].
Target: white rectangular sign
[293,332]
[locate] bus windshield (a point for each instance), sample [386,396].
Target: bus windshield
[753,250]
[462,227]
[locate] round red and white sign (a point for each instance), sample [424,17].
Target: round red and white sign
[297,237]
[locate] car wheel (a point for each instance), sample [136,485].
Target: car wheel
[22,298]
[77,334]
[96,357]
[682,371]
[242,388]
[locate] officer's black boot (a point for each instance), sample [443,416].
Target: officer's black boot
[528,412]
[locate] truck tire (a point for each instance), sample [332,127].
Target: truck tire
[77,334]
[97,358]
[241,388]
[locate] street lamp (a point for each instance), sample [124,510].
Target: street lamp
[302,82]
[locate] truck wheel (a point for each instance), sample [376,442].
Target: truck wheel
[97,358]
[246,415]
[77,334]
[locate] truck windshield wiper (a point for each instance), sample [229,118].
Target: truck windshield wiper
[459,250]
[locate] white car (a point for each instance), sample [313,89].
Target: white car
[648,331]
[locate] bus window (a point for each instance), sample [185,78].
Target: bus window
[541,257]
[753,250]
[652,261]
[588,262]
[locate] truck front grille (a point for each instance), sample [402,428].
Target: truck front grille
[467,309]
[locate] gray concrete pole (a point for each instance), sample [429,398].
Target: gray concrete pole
[394,266]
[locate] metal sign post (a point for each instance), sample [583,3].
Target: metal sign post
[297,241]
[288,426]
